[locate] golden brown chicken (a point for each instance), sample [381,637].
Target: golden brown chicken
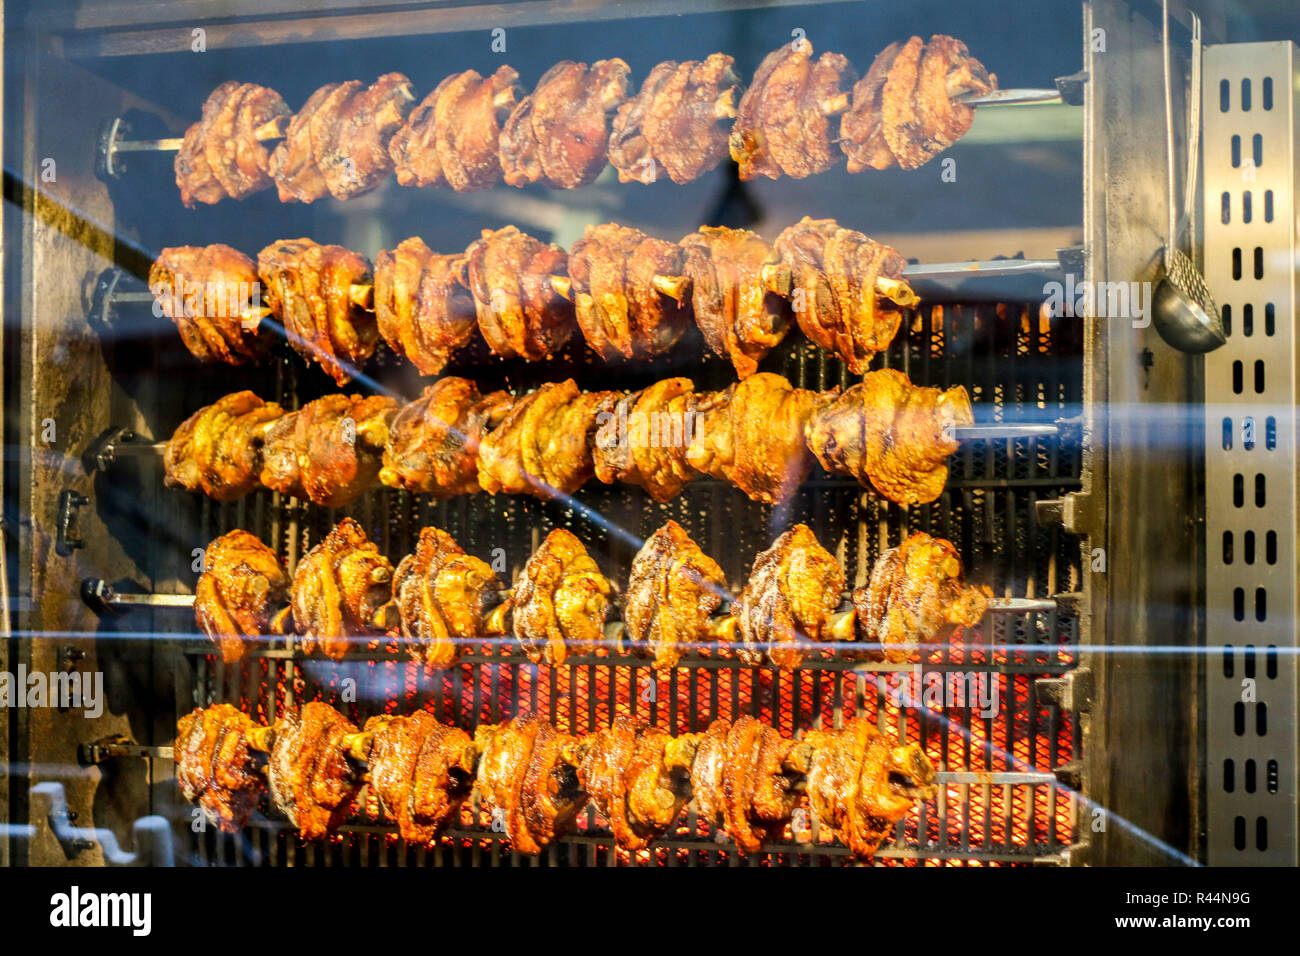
[752,435]
[528,781]
[520,313]
[915,595]
[212,295]
[216,767]
[559,133]
[442,596]
[792,593]
[339,591]
[838,274]
[337,144]
[892,433]
[313,777]
[643,439]
[628,292]
[222,154]
[629,771]
[242,587]
[422,308]
[676,125]
[784,124]
[544,445]
[219,449]
[420,770]
[451,137]
[860,784]
[559,601]
[672,590]
[433,442]
[905,109]
[329,451]
[738,294]
[744,781]
[314,290]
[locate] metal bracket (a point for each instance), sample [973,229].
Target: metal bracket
[1076,855]
[1072,259]
[66,541]
[107,163]
[1072,87]
[1070,775]
[116,746]
[1073,513]
[1071,691]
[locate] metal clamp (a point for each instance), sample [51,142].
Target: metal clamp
[1071,691]
[1071,88]
[116,746]
[66,541]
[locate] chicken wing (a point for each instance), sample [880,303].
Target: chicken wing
[422,308]
[339,591]
[643,439]
[242,587]
[519,312]
[313,781]
[421,771]
[216,767]
[559,601]
[219,449]
[212,295]
[329,451]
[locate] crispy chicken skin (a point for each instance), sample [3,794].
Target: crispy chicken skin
[216,767]
[309,286]
[243,585]
[312,781]
[422,308]
[737,294]
[620,311]
[741,782]
[527,780]
[433,443]
[339,589]
[904,110]
[212,296]
[643,439]
[543,446]
[337,144]
[442,596]
[672,590]
[792,591]
[860,784]
[519,312]
[559,601]
[451,138]
[329,451]
[218,450]
[892,433]
[752,435]
[784,123]
[559,133]
[624,770]
[221,155]
[676,125]
[834,296]
[916,595]
[421,771]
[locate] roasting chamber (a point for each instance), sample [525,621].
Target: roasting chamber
[1123,512]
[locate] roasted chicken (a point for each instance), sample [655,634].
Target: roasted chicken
[905,110]
[676,125]
[644,437]
[892,433]
[785,121]
[433,443]
[738,293]
[916,595]
[340,589]
[218,450]
[242,587]
[329,451]
[216,767]
[451,138]
[311,771]
[559,133]
[528,781]
[212,295]
[837,274]
[337,144]
[442,596]
[422,308]
[672,590]
[222,154]
[559,602]
[520,313]
[628,292]
[420,770]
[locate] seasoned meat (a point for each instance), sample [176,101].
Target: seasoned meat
[212,295]
[422,308]
[560,601]
[329,450]
[421,771]
[339,589]
[216,767]
[221,155]
[313,781]
[243,585]
[519,312]
[643,439]
[219,449]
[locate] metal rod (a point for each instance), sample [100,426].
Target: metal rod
[977,432]
[988,268]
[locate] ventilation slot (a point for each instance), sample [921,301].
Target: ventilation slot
[1271,777]
[1248,661]
[1238,491]
[1237,376]
[1257,149]
[1249,777]
[1245,95]
[1236,259]
[1259,262]
[1227,434]
[1236,152]
[1247,431]
[1270,547]
[1225,96]
[1261,604]
[1267,97]
[1239,719]
[1248,320]
[1270,662]
[1226,315]
[1270,316]
[1239,833]
[1245,206]
[1261,719]
[1249,558]
[1239,604]
[1227,551]
[1268,205]
[1225,208]
[1229,661]
[1259,490]
[1228,771]
[1261,833]
[1270,431]
[1259,376]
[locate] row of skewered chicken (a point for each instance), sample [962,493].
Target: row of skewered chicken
[472,131]
[534,779]
[761,435]
[440,601]
[631,295]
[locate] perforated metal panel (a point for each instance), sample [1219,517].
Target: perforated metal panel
[1250,110]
